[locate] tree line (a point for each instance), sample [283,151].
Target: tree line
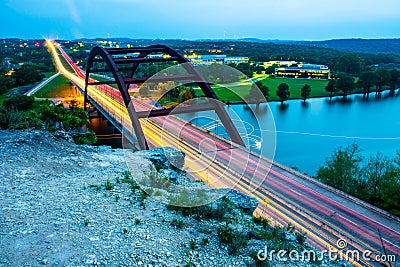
[29,63]
[260,93]
[376,81]
[369,81]
[377,181]
[351,63]
[22,112]
[25,75]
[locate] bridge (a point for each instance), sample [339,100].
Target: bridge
[285,196]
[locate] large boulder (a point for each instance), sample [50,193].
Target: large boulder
[176,158]
[164,157]
[245,202]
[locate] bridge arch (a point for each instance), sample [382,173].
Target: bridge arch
[106,55]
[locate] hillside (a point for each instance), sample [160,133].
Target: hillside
[374,46]
[70,205]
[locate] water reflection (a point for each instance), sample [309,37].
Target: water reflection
[307,133]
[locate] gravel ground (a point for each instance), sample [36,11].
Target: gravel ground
[55,211]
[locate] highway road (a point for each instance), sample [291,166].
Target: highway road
[40,85]
[285,196]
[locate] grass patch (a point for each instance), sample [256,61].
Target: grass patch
[58,87]
[178,223]
[108,185]
[231,94]
[49,74]
[295,85]
[234,93]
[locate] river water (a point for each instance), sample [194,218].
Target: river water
[307,133]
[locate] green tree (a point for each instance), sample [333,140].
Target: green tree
[218,73]
[381,176]
[374,173]
[367,80]
[345,84]
[394,80]
[383,79]
[19,102]
[332,87]
[144,90]
[259,68]
[245,68]
[264,89]
[305,92]
[258,93]
[57,117]
[342,169]
[350,63]
[186,94]
[27,74]
[271,69]
[6,82]
[283,92]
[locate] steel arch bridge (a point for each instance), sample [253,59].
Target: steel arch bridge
[116,57]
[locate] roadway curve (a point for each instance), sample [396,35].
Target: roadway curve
[284,196]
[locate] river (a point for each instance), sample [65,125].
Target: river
[307,133]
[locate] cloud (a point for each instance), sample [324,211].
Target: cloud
[73,10]
[310,19]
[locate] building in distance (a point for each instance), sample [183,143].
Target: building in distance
[303,71]
[219,59]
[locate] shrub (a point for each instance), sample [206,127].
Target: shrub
[205,241]
[178,223]
[301,238]
[108,185]
[22,125]
[290,228]
[19,102]
[261,221]
[192,244]
[233,238]
[87,138]
[142,197]
[225,233]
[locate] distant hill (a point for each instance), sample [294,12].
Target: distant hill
[375,46]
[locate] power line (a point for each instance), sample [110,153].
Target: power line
[336,136]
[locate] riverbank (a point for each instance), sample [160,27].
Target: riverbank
[236,93]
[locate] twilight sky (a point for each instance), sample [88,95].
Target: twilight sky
[197,19]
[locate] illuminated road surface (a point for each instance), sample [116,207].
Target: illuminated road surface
[284,195]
